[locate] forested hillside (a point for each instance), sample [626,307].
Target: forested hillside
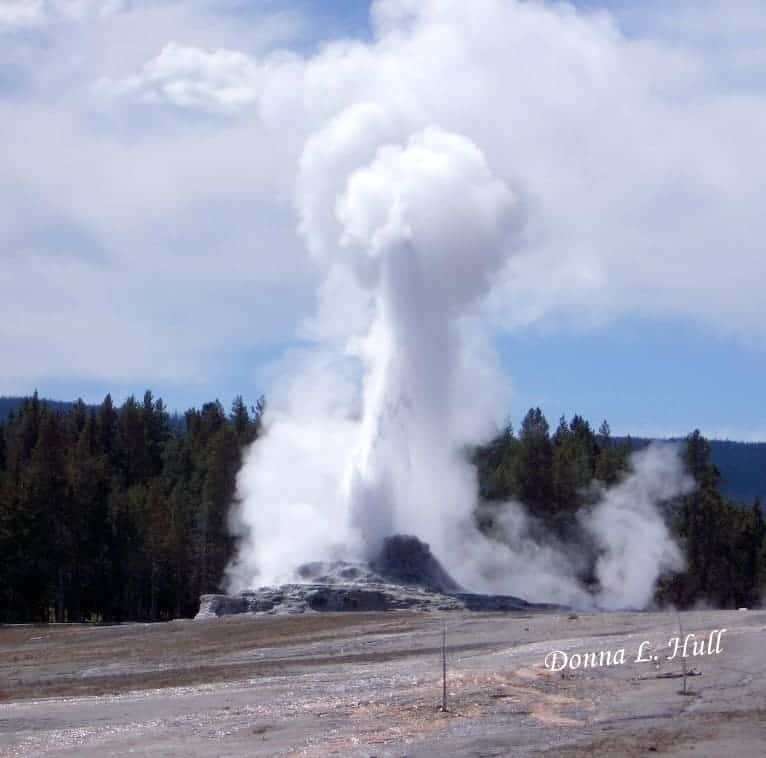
[742,466]
[110,514]
[9,405]
[116,513]
[554,475]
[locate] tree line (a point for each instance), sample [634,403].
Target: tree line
[120,513]
[116,514]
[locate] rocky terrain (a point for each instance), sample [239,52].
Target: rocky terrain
[293,599]
[369,684]
[315,668]
[404,576]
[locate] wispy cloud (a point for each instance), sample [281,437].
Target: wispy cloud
[30,13]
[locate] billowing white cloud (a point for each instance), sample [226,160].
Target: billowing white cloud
[217,80]
[635,147]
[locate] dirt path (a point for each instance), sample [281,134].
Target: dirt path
[369,684]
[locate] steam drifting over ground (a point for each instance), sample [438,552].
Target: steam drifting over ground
[369,438]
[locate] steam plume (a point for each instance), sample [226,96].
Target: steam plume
[636,545]
[368,438]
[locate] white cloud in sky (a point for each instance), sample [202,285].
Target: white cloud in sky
[219,80]
[26,13]
[639,157]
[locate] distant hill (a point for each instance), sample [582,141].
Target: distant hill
[9,405]
[742,466]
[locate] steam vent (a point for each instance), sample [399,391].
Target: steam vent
[405,575]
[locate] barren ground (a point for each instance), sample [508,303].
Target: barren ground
[370,685]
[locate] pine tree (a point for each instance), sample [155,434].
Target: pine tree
[495,466]
[710,529]
[240,417]
[564,469]
[49,531]
[611,459]
[754,542]
[533,464]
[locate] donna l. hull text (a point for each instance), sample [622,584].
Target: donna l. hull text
[680,647]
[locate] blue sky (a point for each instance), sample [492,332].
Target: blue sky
[149,235]
[646,377]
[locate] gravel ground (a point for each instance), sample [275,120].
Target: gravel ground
[370,685]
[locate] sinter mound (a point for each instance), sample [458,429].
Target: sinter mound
[405,575]
[404,559]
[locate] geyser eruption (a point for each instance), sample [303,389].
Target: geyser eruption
[425,226]
[419,229]
[368,438]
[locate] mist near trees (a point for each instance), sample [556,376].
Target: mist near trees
[559,475]
[116,514]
